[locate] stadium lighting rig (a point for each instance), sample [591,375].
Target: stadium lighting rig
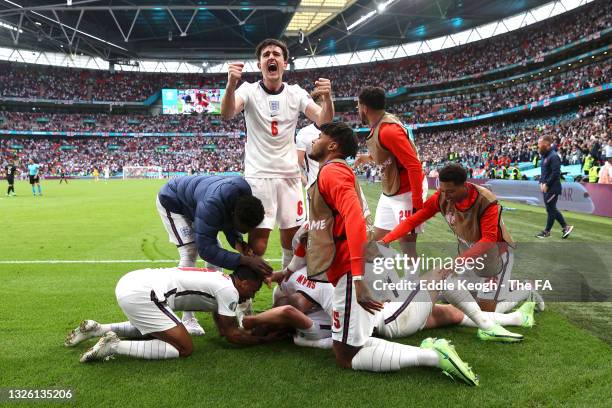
[67,26]
[380,8]
[10,27]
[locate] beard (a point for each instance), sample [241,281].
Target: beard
[314,156]
[364,118]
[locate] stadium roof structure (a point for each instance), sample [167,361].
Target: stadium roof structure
[197,35]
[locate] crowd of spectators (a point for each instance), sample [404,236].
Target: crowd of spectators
[64,122]
[37,81]
[412,111]
[484,147]
[80,156]
[479,148]
[473,104]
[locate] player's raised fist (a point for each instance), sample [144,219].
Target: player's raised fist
[234,73]
[322,88]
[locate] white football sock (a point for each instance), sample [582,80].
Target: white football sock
[464,301]
[297,263]
[123,329]
[187,316]
[508,319]
[382,355]
[511,300]
[188,254]
[148,350]
[287,255]
[311,333]
[325,343]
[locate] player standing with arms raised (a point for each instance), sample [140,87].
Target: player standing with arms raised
[271,109]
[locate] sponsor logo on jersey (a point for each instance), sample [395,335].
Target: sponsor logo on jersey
[316,224]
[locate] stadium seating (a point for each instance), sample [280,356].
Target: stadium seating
[35,81]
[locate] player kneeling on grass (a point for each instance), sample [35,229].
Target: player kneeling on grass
[475,217]
[194,209]
[336,235]
[150,297]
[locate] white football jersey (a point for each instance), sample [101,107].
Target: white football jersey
[271,119]
[320,293]
[303,141]
[191,289]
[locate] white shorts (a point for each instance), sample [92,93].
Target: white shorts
[322,323]
[390,211]
[351,323]
[142,308]
[282,199]
[179,228]
[319,293]
[403,319]
[501,289]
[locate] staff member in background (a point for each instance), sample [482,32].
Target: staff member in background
[550,185]
[605,174]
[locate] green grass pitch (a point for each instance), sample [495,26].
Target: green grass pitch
[566,359]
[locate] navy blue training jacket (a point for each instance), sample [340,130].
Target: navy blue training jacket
[208,201]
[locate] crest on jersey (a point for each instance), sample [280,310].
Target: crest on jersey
[274,106]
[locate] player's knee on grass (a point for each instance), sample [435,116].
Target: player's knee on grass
[179,338]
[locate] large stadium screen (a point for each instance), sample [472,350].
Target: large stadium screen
[188,101]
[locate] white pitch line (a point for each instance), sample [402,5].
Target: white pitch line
[95,261]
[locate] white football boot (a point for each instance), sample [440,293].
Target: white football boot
[104,349]
[86,330]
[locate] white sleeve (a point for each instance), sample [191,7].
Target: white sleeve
[304,98]
[244,91]
[227,301]
[300,141]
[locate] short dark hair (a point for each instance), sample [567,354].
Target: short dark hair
[373,97]
[249,210]
[272,41]
[342,134]
[547,138]
[243,272]
[453,173]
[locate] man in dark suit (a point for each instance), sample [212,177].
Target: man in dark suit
[550,185]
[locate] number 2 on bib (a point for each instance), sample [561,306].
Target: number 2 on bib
[274,128]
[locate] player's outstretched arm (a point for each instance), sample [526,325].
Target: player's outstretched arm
[278,318]
[324,113]
[430,209]
[232,104]
[228,328]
